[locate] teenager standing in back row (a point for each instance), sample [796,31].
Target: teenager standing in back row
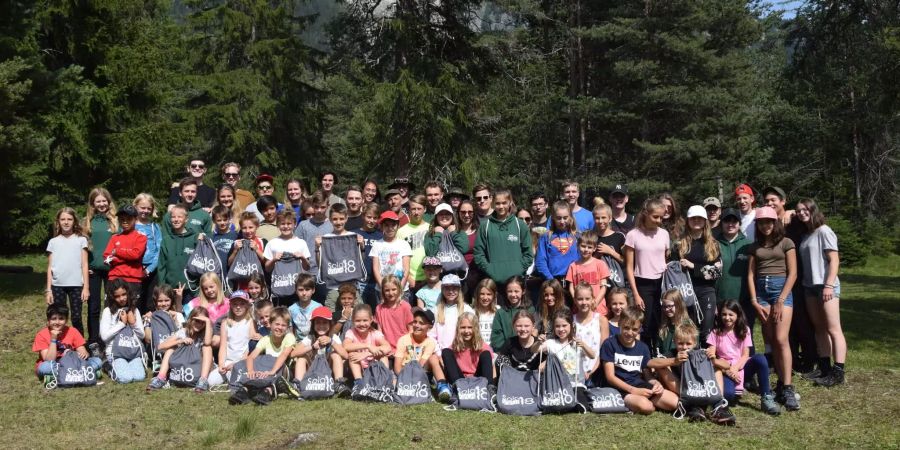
[99,225]
[503,243]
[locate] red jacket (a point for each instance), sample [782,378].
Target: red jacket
[127,261]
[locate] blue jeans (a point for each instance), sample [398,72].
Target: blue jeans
[768,289]
[46,367]
[369,293]
[125,371]
[756,366]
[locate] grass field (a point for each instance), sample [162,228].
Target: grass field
[861,414]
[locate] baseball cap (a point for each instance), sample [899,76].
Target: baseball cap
[388,215]
[264,177]
[443,207]
[431,261]
[322,312]
[402,181]
[766,213]
[743,189]
[712,201]
[775,190]
[240,295]
[127,210]
[390,192]
[619,189]
[451,279]
[731,212]
[425,314]
[457,192]
[697,211]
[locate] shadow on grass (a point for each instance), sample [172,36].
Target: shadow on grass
[871,284]
[15,285]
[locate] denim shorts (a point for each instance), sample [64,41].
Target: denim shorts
[816,291]
[768,288]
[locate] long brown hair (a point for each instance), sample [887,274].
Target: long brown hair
[76,227]
[675,223]
[816,218]
[570,225]
[650,205]
[680,317]
[559,302]
[710,244]
[110,213]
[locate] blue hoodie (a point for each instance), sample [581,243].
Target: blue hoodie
[550,261]
[154,242]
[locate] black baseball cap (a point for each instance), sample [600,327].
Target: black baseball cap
[619,189]
[731,212]
[127,210]
[425,314]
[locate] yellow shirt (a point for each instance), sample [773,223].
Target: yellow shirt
[407,348]
[269,349]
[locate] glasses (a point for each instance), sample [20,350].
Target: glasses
[668,306]
[483,198]
[264,188]
[198,166]
[526,219]
[230,175]
[466,213]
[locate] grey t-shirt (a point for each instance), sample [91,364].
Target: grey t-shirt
[66,260]
[308,230]
[813,256]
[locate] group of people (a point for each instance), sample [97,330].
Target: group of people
[464,285]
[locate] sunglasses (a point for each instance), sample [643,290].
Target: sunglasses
[466,213]
[264,188]
[483,198]
[198,166]
[229,174]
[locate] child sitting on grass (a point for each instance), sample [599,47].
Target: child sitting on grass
[55,339]
[418,346]
[363,344]
[197,331]
[280,344]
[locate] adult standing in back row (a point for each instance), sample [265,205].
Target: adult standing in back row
[584,219]
[231,174]
[618,199]
[503,243]
[206,195]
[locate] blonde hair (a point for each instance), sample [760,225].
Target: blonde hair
[460,305]
[476,343]
[110,213]
[571,226]
[680,317]
[710,244]
[237,209]
[491,286]
[391,279]
[220,294]
[145,197]
[685,331]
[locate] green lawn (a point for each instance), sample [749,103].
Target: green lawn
[858,414]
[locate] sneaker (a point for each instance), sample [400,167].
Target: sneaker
[263,397]
[288,388]
[94,350]
[696,414]
[49,382]
[791,402]
[768,405]
[444,391]
[156,384]
[106,367]
[240,397]
[341,390]
[202,386]
[751,385]
[834,378]
[813,374]
[723,416]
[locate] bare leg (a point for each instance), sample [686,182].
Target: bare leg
[435,363]
[835,332]
[666,401]
[337,366]
[816,311]
[667,378]
[639,404]
[300,365]
[782,345]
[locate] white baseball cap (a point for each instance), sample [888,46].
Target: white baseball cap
[443,207]
[697,211]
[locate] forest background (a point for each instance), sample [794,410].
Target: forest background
[666,95]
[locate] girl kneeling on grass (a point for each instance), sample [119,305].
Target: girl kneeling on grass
[363,344]
[197,331]
[625,367]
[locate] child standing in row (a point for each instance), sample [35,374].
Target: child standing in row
[67,266]
[99,225]
[587,269]
[146,208]
[177,247]
[591,329]
[393,315]
[125,251]
[485,307]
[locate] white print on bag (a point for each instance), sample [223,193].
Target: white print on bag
[129,342]
[558,398]
[446,257]
[475,393]
[708,388]
[284,280]
[185,374]
[241,374]
[512,238]
[206,264]
[162,337]
[417,389]
[687,289]
[320,384]
[81,375]
[345,266]
[615,276]
[516,400]
[629,363]
[607,401]
[245,268]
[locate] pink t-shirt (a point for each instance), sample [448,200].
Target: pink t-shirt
[467,360]
[649,252]
[729,348]
[394,322]
[371,338]
[215,311]
[594,273]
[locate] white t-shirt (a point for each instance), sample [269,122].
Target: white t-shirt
[748,224]
[570,358]
[485,324]
[66,260]
[390,255]
[238,340]
[291,246]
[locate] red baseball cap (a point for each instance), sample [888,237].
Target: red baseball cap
[743,189]
[388,215]
[264,177]
[322,312]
